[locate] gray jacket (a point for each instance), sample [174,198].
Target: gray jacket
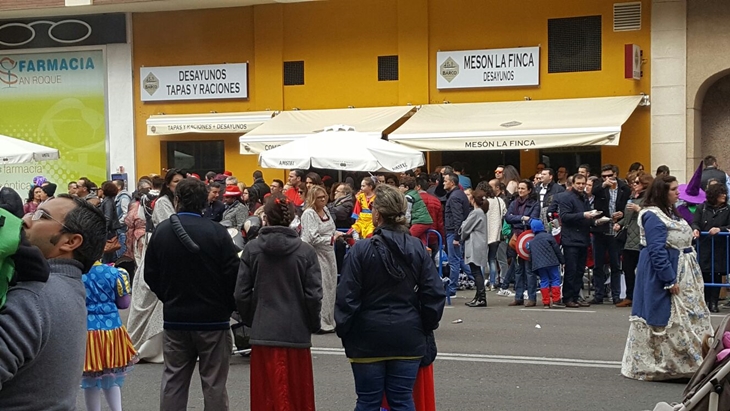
[474,238]
[630,220]
[235,215]
[43,341]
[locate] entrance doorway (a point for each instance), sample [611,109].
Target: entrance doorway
[571,158]
[480,165]
[197,157]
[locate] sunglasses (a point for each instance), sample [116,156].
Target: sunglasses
[606,175]
[41,214]
[300,192]
[636,182]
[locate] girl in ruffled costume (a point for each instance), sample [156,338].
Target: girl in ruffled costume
[363,226]
[109,350]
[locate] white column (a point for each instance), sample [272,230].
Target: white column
[669,86]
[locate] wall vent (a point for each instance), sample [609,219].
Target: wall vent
[387,68]
[627,16]
[294,73]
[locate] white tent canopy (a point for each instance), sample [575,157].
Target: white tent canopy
[517,124]
[342,150]
[293,125]
[15,151]
[164,124]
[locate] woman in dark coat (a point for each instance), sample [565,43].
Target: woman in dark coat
[712,216]
[389,300]
[521,210]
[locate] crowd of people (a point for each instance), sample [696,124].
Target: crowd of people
[165,251]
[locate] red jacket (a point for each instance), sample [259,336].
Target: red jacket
[436,211]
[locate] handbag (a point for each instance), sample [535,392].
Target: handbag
[513,242]
[506,227]
[621,235]
[112,245]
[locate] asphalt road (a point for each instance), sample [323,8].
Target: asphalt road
[497,358]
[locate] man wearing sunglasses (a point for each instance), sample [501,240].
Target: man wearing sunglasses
[610,198]
[44,323]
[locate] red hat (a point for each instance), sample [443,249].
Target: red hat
[227,173]
[232,191]
[195,176]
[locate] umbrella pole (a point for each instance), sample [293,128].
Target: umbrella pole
[339,175]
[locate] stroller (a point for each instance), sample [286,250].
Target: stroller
[709,387]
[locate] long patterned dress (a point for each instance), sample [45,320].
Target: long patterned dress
[318,232]
[668,349]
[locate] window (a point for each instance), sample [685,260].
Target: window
[387,68]
[197,157]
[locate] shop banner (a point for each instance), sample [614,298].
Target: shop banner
[488,68]
[56,100]
[206,82]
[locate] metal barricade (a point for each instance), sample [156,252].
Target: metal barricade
[440,250]
[714,271]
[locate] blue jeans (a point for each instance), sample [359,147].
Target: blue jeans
[395,378]
[492,258]
[456,262]
[524,275]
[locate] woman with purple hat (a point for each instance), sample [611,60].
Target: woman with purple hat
[690,195]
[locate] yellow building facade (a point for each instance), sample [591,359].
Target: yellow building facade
[340,41]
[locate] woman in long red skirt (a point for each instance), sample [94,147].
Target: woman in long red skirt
[279,295]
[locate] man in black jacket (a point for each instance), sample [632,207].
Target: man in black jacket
[259,185]
[546,191]
[712,171]
[191,265]
[455,212]
[575,238]
[215,208]
[610,199]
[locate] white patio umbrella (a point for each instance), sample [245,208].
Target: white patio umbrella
[342,150]
[15,151]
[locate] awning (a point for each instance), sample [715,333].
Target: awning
[244,122]
[293,125]
[517,125]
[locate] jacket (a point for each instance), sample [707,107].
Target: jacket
[575,231]
[602,199]
[552,189]
[196,288]
[630,220]
[235,214]
[435,210]
[379,311]
[418,211]
[544,250]
[44,339]
[712,172]
[341,210]
[260,187]
[279,289]
[214,211]
[455,212]
[474,237]
[516,210]
[495,216]
[704,219]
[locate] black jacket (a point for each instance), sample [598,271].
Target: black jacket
[552,189]
[706,218]
[196,289]
[575,231]
[456,210]
[603,197]
[389,298]
[214,211]
[279,289]
[517,210]
[260,187]
[341,210]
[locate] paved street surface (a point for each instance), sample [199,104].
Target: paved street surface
[496,359]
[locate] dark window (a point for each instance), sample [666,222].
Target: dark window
[293,73]
[197,157]
[574,44]
[387,68]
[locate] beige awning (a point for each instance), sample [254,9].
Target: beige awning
[293,125]
[244,122]
[517,124]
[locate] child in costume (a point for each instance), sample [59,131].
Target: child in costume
[109,350]
[362,214]
[546,260]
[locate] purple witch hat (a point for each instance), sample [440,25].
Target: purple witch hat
[691,192]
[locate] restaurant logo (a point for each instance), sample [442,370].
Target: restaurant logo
[151,84]
[449,69]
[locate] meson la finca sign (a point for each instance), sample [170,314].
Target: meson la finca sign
[488,68]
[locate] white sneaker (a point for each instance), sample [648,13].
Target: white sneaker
[505,293]
[525,296]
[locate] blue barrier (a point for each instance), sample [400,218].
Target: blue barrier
[712,257]
[440,243]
